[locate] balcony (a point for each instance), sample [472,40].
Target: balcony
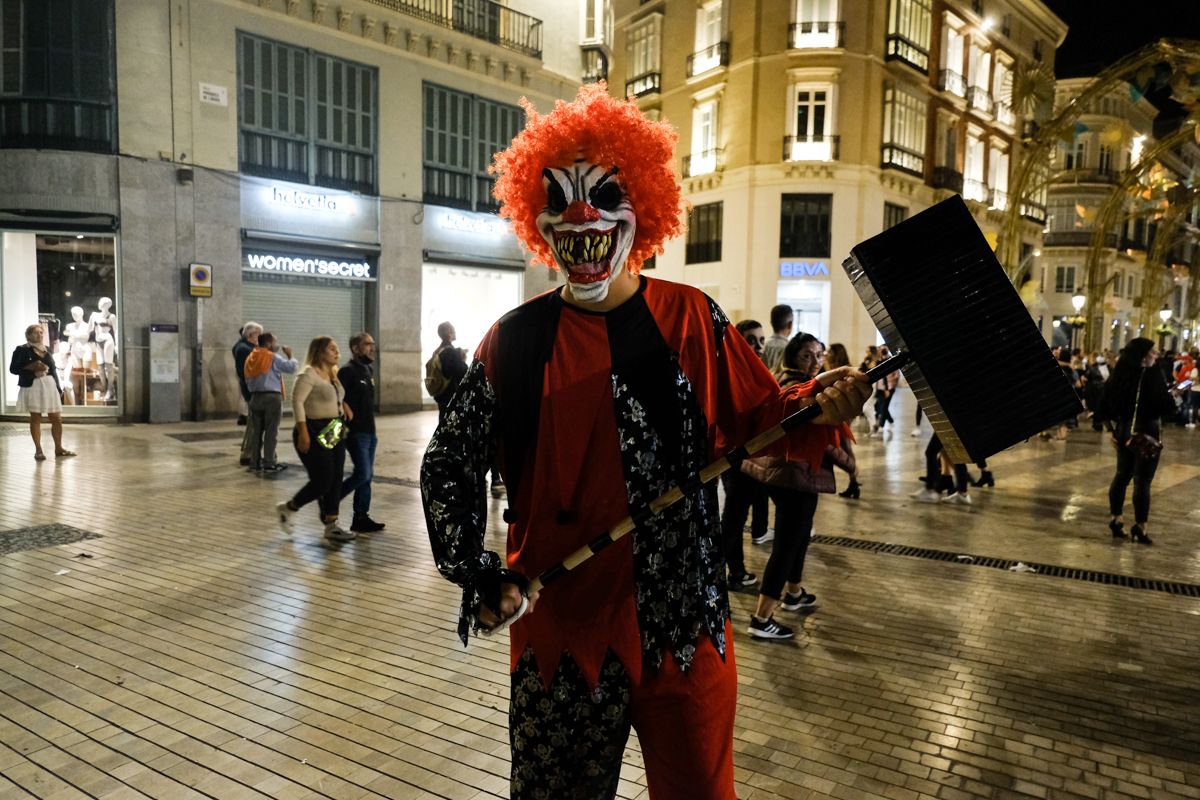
[53,124]
[811,35]
[1034,212]
[595,64]
[975,190]
[998,200]
[950,81]
[708,59]
[947,178]
[903,159]
[1134,243]
[1097,176]
[980,100]
[644,84]
[1004,114]
[703,163]
[908,51]
[483,19]
[1075,239]
[811,148]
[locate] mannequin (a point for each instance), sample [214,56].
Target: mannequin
[103,323]
[62,363]
[76,333]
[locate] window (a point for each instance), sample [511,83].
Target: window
[812,124]
[704,234]
[462,132]
[974,187]
[1075,154]
[1105,159]
[953,52]
[597,22]
[817,24]
[704,154]
[903,130]
[998,178]
[1117,280]
[1002,78]
[979,74]
[57,75]
[893,215]
[804,225]
[909,32]
[1064,280]
[642,55]
[707,54]
[306,116]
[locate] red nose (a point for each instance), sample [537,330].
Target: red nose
[580,212]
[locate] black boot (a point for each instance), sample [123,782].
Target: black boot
[852,491]
[1118,530]
[1139,535]
[985,479]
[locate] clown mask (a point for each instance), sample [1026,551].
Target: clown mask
[589,224]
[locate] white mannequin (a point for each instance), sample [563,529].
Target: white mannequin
[77,335]
[103,323]
[62,363]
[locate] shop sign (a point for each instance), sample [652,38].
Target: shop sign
[311,201]
[474,223]
[804,269]
[308,212]
[299,265]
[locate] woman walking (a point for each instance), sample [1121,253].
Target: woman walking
[319,436]
[793,485]
[1135,396]
[38,390]
[837,357]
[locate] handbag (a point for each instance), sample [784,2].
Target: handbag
[1142,445]
[332,434]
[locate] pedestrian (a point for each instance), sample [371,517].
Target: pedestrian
[358,379]
[885,390]
[247,341]
[264,370]
[451,366]
[1093,388]
[1135,399]
[319,438]
[782,319]
[595,399]
[38,390]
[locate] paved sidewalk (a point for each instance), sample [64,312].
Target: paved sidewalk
[193,650]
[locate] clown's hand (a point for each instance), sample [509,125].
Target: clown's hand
[844,392]
[504,602]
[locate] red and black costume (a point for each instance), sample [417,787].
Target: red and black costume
[590,416]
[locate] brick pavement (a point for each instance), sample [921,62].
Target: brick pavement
[200,653]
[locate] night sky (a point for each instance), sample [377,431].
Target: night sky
[1102,31]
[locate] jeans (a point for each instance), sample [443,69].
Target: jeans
[361,447]
[324,468]
[262,429]
[1141,472]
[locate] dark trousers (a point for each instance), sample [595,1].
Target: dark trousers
[883,400]
[325,467]
[741,494]
[933,470]
[793,531]
[262,429]
[361,447]
[1141,472]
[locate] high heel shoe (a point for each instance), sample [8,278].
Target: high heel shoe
[1139,535]
[985,479]
[852,491]
[1117,528]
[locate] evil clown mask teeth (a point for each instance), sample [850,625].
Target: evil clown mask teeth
[589,224]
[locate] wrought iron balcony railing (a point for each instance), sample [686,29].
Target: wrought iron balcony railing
[816,34]
[644,84]
[908,51]
[595,64]
[980,100]
[998,200]
[903,159]
[707,59]
[54,124]
[1075,239]
[704,162]
[811,148]
[947,178]
[975,190]
[1004,114]
[1102,176]
[1034,212]
[951,81]
[483,19]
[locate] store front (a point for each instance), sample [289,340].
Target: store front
[805,285]
[67,282]
[473,273]
[309,262]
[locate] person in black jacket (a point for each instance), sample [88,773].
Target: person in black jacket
[247,341]
[358,379]
[1135,397]
[454,366]
[38,390]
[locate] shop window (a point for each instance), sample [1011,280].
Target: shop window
[68,285]
[704,234]
[462,132]
[804,225]
[57,84]
[893,215]
[306,116]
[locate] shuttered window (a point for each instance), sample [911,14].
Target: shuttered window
[462,133]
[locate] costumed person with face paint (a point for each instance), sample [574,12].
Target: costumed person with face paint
[594,399]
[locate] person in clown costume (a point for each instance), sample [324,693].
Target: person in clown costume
[593,399]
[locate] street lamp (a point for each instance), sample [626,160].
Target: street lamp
[1078,300]
[1164,330]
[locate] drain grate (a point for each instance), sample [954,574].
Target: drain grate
[968,559]
[409,482]
[40,536]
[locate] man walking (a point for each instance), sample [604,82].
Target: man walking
[247,342]
[452,362]
[358,379]
[781,323]
[263,371]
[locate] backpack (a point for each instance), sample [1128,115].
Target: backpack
[436,381]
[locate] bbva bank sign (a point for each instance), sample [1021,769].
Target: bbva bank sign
[804,269]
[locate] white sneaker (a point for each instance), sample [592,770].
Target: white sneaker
[915,432]
[766,538]
[926,496]
[958,499]
[335,534]
[285,515]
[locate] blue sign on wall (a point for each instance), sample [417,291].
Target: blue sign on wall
[804,269]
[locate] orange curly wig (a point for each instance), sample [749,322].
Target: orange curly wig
[609,132]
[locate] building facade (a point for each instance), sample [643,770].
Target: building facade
[807,126]
[318,167]
[1148,252]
